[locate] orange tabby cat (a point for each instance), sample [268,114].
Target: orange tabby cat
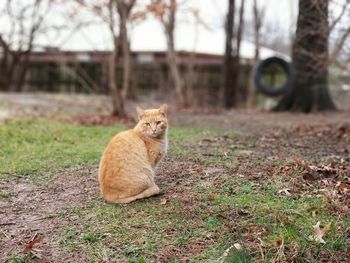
[127,166]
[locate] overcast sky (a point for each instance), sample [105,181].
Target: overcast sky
[148,35]
[280,15]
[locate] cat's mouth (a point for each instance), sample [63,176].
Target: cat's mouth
[155,134]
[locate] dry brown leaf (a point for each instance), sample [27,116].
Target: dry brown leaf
[319,232]
[286,221]
[279,242]
[343,186]
[197,170]
[310,176]
[35,240]
[211,197]
[163,201]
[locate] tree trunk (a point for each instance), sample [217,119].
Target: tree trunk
[180,91]
[124,9]
[228,81]
[117,98]
[13,71]
[176,77]
[22,73]
[310,61]
[13,68]
[190,76]
[241,91]
[191,64]
[257,27]
[10,65]
[5,79]
[240,28]
[126,59]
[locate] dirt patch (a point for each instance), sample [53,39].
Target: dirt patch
[97,107]
[31,210]
[91,109]
[100,120]
[35,105]
[259,122]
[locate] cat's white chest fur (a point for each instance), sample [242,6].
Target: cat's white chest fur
[165,145]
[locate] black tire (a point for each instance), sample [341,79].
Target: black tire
[270,90]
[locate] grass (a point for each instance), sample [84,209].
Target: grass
[4,195]
[181,138]
[140,238]
[135,231]
[37,146]
[29,147]
[17,258]
[248,212]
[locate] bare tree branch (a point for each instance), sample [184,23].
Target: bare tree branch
[340,16]
[240,28]
[339,46]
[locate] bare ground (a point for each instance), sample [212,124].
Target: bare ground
[32,210]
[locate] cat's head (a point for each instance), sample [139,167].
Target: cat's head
[153,122]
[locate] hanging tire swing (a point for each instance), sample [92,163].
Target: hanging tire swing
[268,89]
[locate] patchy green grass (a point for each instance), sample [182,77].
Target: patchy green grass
[139,231]
[16,258]
[4,195]
[36,146]
[27,147]
[182,138]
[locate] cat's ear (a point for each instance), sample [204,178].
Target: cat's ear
[164,109]
[140,112]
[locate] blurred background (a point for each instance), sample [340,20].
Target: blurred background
[195,55]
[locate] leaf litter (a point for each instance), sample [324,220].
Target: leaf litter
[320,232]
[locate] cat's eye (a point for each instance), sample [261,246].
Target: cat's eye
[147,124]
[158,122]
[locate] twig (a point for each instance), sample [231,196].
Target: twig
[7,224]
[2,231]
[261,249]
